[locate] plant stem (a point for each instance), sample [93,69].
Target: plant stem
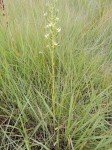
[53,82]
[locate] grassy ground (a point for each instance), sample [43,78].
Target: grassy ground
[82,82]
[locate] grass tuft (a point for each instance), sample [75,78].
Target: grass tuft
[55,75]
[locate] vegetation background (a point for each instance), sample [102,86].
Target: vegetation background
[83,77]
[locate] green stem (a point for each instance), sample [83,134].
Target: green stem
[53,82]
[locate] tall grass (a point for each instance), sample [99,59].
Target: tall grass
[82,108]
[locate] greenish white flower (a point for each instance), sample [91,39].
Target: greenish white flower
[45,14]
[58,29]
[55,44]
[57,18]
[47,26]
[40,52]
[47,46]
[47,35]
[51,24]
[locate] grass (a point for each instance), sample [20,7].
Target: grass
[81,77]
